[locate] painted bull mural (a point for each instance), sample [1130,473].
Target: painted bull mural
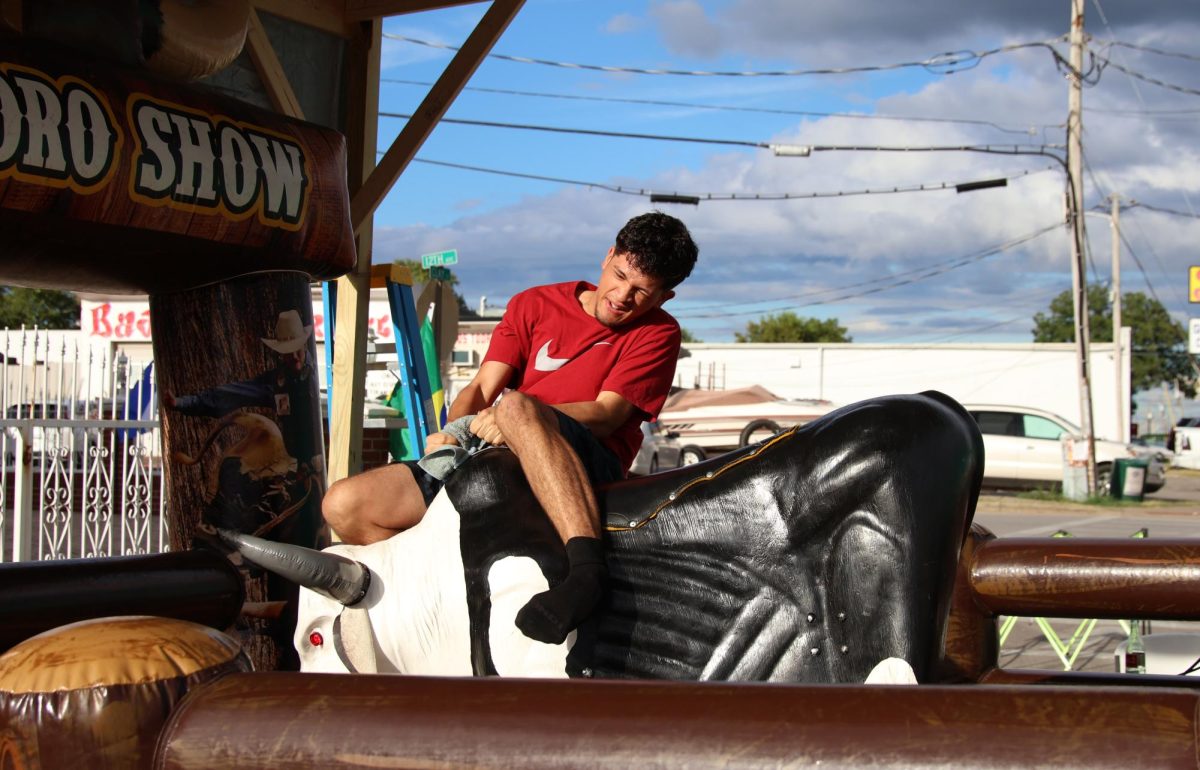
[811,557]
[255,486]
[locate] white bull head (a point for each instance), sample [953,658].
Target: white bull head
[400,605]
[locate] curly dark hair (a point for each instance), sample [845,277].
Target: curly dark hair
[660,246]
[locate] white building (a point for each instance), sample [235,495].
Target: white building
[1042,375]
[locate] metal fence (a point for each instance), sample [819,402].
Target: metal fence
[80,444]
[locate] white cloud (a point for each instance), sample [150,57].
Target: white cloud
[843,251]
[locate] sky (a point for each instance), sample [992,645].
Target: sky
[931,266]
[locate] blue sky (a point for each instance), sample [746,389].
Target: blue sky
[910,267]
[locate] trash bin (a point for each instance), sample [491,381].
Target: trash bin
[1129,478]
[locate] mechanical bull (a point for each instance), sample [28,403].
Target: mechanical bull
[810,557]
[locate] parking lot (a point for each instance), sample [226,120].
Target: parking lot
[1172,512]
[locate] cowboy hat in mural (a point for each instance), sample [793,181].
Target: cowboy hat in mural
[290,333]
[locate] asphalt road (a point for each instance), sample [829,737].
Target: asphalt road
[1172,512]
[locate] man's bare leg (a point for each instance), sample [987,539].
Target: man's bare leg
[559,482]
[373,505]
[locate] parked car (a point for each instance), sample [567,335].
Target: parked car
[715,421]
[1023,448]
[1184,443]
[660,451]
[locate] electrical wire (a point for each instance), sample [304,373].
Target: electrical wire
[1162,210]
[1142,76]
[1132,83]
[1000,149]
[909,278]
[948,263]
[734,108]
[1181,294]
[1149,49]
[943,63]
[712,196]
[588,131]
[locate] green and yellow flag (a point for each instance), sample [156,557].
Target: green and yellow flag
[398,440]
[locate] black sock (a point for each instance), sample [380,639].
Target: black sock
[549,616]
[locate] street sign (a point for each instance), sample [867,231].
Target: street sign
[439,273]
[1194,284]
[1194,336]
[450,257]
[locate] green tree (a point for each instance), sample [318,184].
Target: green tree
[688,336]
[789,327]
[421,275]
[1159,342]
[45,308]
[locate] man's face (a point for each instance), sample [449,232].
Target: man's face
[293,362]
[624,293]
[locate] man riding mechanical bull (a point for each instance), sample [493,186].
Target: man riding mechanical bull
[825,554]
[586,364]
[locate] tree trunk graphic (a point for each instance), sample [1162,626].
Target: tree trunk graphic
[242,435]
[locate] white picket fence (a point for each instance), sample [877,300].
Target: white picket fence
[80,446]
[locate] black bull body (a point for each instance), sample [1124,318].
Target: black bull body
[808,558]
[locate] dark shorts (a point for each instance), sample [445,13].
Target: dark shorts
[601,464]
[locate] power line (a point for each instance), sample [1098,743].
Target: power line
[1141,76]
[1162,210]
[943,63]
[1148,49]
[734,108]
[1141,267]
[950,263]
[780,149]
[911,277]
[588,131]
[712,196]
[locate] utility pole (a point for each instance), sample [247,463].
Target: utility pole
[1075,204]
[1119,388]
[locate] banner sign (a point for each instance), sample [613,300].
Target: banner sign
[113,181]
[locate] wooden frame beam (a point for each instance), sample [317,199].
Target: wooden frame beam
[360,10]
[433,107]
[270,70]
[327,15]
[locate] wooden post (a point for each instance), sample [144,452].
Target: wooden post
[354,289]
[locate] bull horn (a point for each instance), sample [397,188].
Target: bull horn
[341,579]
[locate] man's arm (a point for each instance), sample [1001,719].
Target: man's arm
[483,390]
[223,399]
[480,393]
[603,416]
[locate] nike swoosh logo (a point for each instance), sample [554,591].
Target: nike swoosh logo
[544,363]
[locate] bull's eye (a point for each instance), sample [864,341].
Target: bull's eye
[315,639]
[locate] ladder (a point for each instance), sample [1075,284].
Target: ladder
[412,373]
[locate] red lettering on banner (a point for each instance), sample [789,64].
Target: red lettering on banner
[383,327]
[125,322]
[143,323]
[100,325]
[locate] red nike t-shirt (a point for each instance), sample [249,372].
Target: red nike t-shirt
[562,355]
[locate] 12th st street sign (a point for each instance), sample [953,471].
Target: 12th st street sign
[439,258]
